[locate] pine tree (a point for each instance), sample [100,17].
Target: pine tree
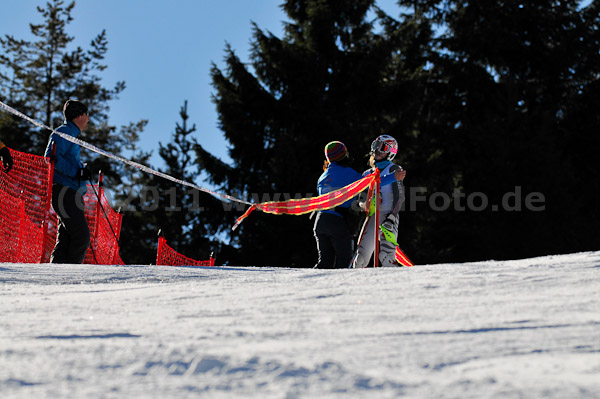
[187,218]
[325,80]
[481,99]
[38,76]
[504,109]
[182,213]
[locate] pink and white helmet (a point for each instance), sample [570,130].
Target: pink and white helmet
[385,145]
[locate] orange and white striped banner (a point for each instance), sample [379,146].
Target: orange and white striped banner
[402,259]
[322,202]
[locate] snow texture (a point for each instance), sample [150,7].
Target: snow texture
[498,329]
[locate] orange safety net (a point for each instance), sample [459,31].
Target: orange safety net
[105,229]
[26,243]
[28,224]
[24,209]
[167,256]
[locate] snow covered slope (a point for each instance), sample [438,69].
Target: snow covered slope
[527,328]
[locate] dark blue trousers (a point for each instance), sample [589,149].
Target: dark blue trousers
[334,242]
[73,238]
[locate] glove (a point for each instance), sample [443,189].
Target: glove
[7,161]
[84,174]
[361,202]
[400,174]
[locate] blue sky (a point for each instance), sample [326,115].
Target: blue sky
[163,51]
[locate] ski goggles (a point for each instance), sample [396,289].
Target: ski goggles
[382,147]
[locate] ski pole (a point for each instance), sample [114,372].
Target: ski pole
[105,215]
[377,191]
[103,211]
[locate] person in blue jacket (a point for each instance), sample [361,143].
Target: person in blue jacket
[69,185]
[335,241]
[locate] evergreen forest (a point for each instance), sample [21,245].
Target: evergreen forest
[494,106]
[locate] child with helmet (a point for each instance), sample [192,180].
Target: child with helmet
[383,151]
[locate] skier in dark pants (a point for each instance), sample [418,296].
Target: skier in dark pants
[69,186]
[335,241]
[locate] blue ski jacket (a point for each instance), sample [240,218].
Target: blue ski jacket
[67,162]
[392,195]
[337,176]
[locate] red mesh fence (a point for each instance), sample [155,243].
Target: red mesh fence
[167,256]
[24,206]
[105,229]
[28,224]
[20,241]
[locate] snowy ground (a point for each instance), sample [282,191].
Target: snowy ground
[514,329]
